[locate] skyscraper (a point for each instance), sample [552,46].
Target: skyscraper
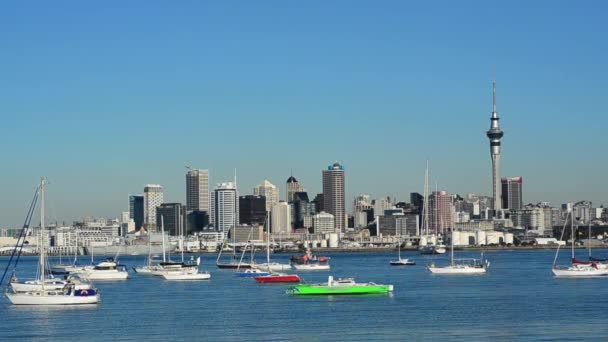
[136,210]
[197,190]
[252,210]
[226,207]
[333,194]
[495,134]
[302,208]
[281,218]
[440,209]
[269,191]
[174,218]
[512,197]
[153,197]
[293,186]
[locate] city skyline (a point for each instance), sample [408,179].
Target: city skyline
[412,82]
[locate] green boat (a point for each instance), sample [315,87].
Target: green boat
[339,287]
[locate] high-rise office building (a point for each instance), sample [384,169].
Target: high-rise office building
[333,194]
[302,208]
[269,191]
[293,186]
[197,190]
[361,204]
[136,210]
[495,134]
[252,210]
[281,218]
[324,223]
[173,216]
[153,197]
[512,197]
[226,208]
[212,207]
[441,211]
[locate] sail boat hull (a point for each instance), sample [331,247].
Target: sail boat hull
[579,272]
[402,262]
[457,269]
[36,298]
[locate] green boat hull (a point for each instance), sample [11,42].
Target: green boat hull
[308,289]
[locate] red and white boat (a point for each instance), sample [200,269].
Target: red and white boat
[278,278]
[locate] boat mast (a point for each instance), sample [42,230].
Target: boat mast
[452,247]
[572,233]
[162,231]
[425,204]
[589,233]
[42,257]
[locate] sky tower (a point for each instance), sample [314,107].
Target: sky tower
[495,134]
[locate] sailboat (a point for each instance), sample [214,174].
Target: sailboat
[268,265]
[428,248]
[576,268]
[251,271]
[274,277]
[460,266]
[399,261]
[184,271]
[73,292]
[152,266]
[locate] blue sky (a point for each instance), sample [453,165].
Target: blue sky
[105,97]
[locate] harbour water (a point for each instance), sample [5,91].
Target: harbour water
[519,299]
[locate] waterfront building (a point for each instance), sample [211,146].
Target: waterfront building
[512,193]
[226,209]
[440,203]
[293,186]
[361,204]
[333,194]
[246,233]
[197,190]
[153,197]
[212,207]
[174,218]
[380,205]
[324,223]
[582,211]
[197,221]
[319,203]
[301,207]
[495,134]
[281,217]
[136,210]
[270,193]
[396,223]
[252,210]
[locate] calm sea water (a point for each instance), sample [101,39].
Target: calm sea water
[518,299]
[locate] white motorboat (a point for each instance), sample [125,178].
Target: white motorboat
[311,267]
[105,270]
[35,292]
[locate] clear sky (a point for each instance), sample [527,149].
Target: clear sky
[104,97]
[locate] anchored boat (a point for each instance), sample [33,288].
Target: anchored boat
[346,286]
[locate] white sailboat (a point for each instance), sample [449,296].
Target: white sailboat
[460,266]
[153,267]
[36,292]
[428,248]
[109,269]
[184,272]
[577,269]
[268,265]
